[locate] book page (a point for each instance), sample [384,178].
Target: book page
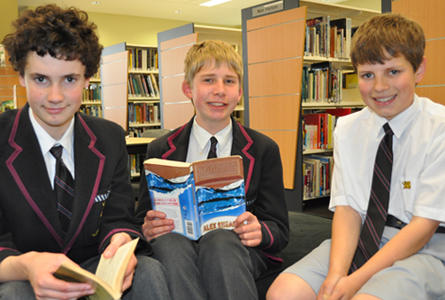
[112,270]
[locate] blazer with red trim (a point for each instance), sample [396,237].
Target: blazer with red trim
[263,177]
[103,196]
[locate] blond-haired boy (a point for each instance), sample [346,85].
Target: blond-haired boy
[223,264]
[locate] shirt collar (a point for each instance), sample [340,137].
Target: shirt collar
[400,122]
[46,141]
[203,136]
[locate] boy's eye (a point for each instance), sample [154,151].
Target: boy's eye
[70,79]
[40,79]
[393,72]
[367,75]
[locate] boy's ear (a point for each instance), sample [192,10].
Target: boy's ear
[421,70]
[187,90]
[22,81]
[87,82]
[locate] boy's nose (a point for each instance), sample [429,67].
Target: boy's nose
[381,84]
[55,93]
[218,88]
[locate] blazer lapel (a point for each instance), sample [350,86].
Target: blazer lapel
[179,143]
[28,168]
[89,165]
[241,144]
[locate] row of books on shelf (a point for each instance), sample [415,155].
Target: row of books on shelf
[143,113]
[143,59]
[92,93]
[317,174]
[322,83]
[143,85]
[134,163]
[328,38]
[92,110]
[318,128]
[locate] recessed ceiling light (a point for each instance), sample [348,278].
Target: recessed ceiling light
[213,2]
[95,2]
[178,11]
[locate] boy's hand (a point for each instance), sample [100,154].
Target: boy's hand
[156,224]
[328,286]
[343,288]
[248,229]
[117,240]
[38,268]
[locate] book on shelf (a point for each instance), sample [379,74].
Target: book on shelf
[318,36]
[199,196]
[317,174]
[322,83]
[109,276]
[342,40]
[143,59]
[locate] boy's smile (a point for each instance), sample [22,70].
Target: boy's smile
[215,94]
[54,89]
[388,88]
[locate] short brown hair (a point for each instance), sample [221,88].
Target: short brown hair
[61,33]
[385,36]
[207,52]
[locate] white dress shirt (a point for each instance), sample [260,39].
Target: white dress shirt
[418,175]
[199,143]
[46,142]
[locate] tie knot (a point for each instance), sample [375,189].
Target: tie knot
[388,129]
[56,151]
[213,141]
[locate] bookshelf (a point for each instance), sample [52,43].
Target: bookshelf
[130,86]
[274,48]
[91,98]
[12,94]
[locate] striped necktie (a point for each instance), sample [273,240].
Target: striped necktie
[212,151]
[377,213]
[64,188]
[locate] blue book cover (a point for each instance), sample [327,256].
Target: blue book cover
[199,197]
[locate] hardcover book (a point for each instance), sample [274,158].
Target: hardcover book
[199,196]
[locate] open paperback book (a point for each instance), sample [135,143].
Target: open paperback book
[109,276]
[199,196]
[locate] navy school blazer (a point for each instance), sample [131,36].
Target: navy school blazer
[263,177]
[103,196]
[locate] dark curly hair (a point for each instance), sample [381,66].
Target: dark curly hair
[61,33]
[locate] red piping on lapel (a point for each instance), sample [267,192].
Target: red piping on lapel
[96,183]
[170,142]
[117,230]
[250,157]
[20,184]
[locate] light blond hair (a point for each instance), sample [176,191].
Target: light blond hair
[210,52]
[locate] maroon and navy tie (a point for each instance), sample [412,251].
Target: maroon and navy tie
[377,213]
[212,151]
[64,188]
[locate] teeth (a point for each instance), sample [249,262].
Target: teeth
[385,99]
[217,104]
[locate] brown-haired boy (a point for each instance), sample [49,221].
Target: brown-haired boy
[56,51]
[223,264]
[407,261]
